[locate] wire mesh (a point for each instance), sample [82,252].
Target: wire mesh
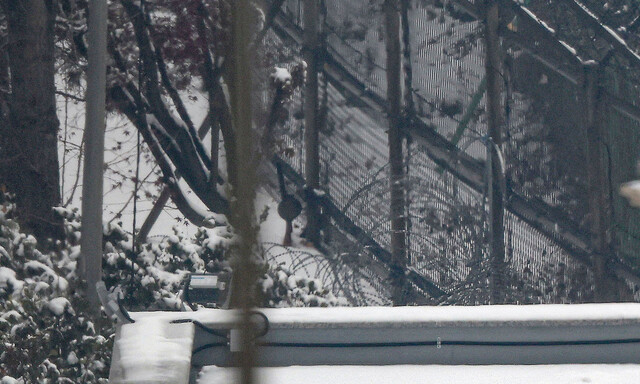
[545,148]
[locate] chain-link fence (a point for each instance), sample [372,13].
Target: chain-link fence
[547,221]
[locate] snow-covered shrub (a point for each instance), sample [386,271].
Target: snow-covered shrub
[278,287]
[152,276]
[160,267]
[47,333]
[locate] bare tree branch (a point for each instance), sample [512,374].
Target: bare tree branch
[214,201]
[169,140]
[196,173]
[218,103]
[162,200]
[177,102]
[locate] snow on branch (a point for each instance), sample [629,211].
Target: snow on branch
[129,100]
[535,18]
[175,127]
[546,31]
[590,19]
[165,156]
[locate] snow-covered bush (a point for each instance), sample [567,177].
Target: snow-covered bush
[47,332]
[160,267]
[278,287]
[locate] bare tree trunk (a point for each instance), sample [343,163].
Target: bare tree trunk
[494,120]
[5,96]
[92,179]
[312,159]
[395,134]
[29,144]
[215,153]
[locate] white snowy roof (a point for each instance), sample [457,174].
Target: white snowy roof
[419,374]
[153,350]
[451,315]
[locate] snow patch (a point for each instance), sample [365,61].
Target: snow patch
[72,358]
[13,314]
[59,305]
[149,354]
[569,48]
[281,75]
[8,280]
[374,316]
[537,20]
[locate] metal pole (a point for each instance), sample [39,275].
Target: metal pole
[396,160]
[599,207]
[242,212]
[312,157]
[91,242]
[494,122]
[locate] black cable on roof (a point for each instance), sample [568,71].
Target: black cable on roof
[198,324]
[452,343]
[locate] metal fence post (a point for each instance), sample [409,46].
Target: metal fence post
[598,184]
[396,159]
[242,209]
[311,137]
[495,128]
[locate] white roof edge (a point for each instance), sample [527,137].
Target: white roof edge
[418,374]
[459,315]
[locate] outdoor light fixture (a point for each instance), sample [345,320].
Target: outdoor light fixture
[210,290]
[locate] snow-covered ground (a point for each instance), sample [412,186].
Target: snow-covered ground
[120,161]
[358,283]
